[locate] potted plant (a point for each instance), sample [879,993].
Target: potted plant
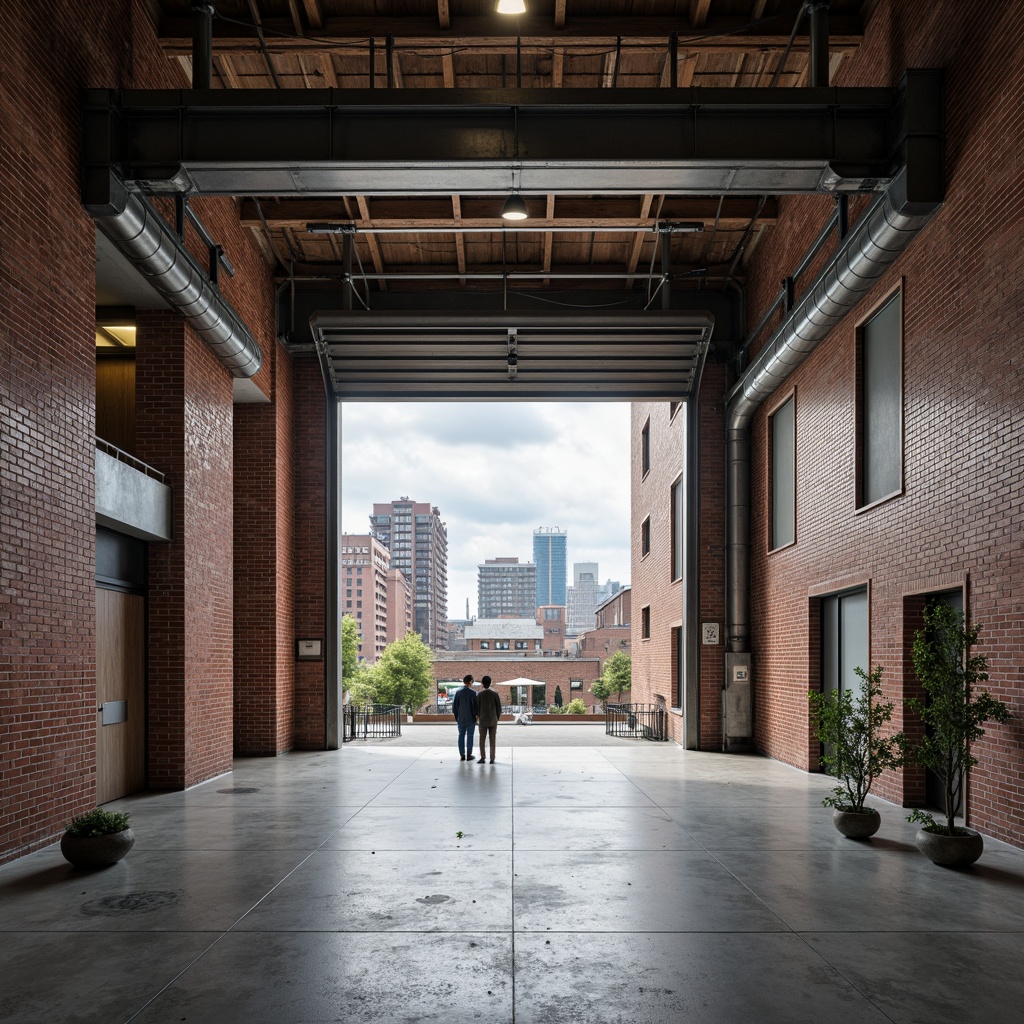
[953,715]
[97,839]
[855,753]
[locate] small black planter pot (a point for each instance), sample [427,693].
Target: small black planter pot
[96,851]
[857,824]
[959,851]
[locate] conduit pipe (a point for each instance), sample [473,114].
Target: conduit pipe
[152,247]
[888,226]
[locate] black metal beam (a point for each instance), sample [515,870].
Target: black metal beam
[335,142]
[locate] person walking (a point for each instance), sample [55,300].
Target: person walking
[489,711]
[464,708]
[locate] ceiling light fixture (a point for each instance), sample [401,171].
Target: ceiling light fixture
[511,7]
[515,208]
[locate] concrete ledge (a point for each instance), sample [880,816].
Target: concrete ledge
[129,501]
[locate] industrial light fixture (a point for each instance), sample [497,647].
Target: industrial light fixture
[515,208]
[511,7]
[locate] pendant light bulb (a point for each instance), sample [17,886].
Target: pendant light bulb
[515,208]
[511,6]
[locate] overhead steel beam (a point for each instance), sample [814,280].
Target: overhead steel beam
[335,142]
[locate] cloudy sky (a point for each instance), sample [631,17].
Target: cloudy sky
[496,471]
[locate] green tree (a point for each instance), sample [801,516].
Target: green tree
[558,696]
[403,673]
[617,675]
[350,638]
[849,725]
[954,713]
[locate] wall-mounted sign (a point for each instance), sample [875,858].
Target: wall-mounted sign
[309,650]
[709,632]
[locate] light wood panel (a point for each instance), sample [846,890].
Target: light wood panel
[120,675]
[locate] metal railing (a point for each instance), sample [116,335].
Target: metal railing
[371,721]
[129,460]
[636,721]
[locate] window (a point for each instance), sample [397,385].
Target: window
[485,645]
[348,593]
[501,645]
[782,474]
[552,613]
[880,403]
[645,622]
[645,537]
[677,529]
[645,449]
[575,684]
[522,645]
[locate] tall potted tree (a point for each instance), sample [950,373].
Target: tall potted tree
[954,714]
[855,752]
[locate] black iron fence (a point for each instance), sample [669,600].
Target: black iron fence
[636,721]
[371,721]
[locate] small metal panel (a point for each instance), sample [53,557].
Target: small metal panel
[737,702]
[470,355]
[113,712]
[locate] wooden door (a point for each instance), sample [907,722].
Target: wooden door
[120,694]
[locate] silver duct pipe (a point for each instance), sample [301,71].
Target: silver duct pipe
[882,233]
[147,241]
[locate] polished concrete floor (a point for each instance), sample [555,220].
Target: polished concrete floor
[579,879]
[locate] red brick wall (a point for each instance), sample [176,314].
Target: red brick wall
[264,645]
[48,53]
[959,513]
[310,465]
[185,419]
[654,674]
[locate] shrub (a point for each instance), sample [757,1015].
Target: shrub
[98,823]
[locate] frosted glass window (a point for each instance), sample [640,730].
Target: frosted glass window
[783,470]
[881,404]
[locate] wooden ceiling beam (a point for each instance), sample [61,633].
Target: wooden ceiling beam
[350,34]
[226,72]
[444,17]
[477,212]
[371,241]
[560,14]
[699,12]
[293,10]
[314,13]
[460,241]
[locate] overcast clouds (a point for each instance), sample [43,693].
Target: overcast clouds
[496,471]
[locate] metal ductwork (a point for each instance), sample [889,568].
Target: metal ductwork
[890,224]
[152,247]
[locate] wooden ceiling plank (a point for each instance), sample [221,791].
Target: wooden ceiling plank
[266,248]
[293,10]
[460,241]
[327,67]
[314,13]
[557,67]
[397,81]
[699,13]
[758,12]
[687,69]
[371,240]
[549,237]
[638,240]
[444,17]
[448,70]
[560,14]
[226,72]
[186,66]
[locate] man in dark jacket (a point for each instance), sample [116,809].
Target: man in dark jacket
[464,708]
[488,711]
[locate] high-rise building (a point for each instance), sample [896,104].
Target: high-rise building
[506,589]
[550,547]
[399,605]
[418,542]
[365,563]
[584,596]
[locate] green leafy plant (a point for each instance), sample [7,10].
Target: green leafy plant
[577,706]
[98,823]
[849,723]
[402,675]
[954,712]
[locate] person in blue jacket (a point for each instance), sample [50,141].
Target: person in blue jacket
[464,708]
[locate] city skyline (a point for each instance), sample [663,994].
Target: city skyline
[496,472]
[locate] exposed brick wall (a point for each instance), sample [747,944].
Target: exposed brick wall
[185,419]
[48,54]
[654,671]
[310,465]
[264,579]
[959,514]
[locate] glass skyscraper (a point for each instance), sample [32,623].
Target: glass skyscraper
[550,548]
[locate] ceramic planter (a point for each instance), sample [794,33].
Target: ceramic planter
[857,824]
[959,851]
[96,851]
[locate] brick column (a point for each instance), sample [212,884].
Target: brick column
[264,570]
[184,428]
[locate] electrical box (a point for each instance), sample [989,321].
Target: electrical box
[737,704]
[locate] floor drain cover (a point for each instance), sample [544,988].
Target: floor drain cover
[240,789]
[438,898]
[129,903]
